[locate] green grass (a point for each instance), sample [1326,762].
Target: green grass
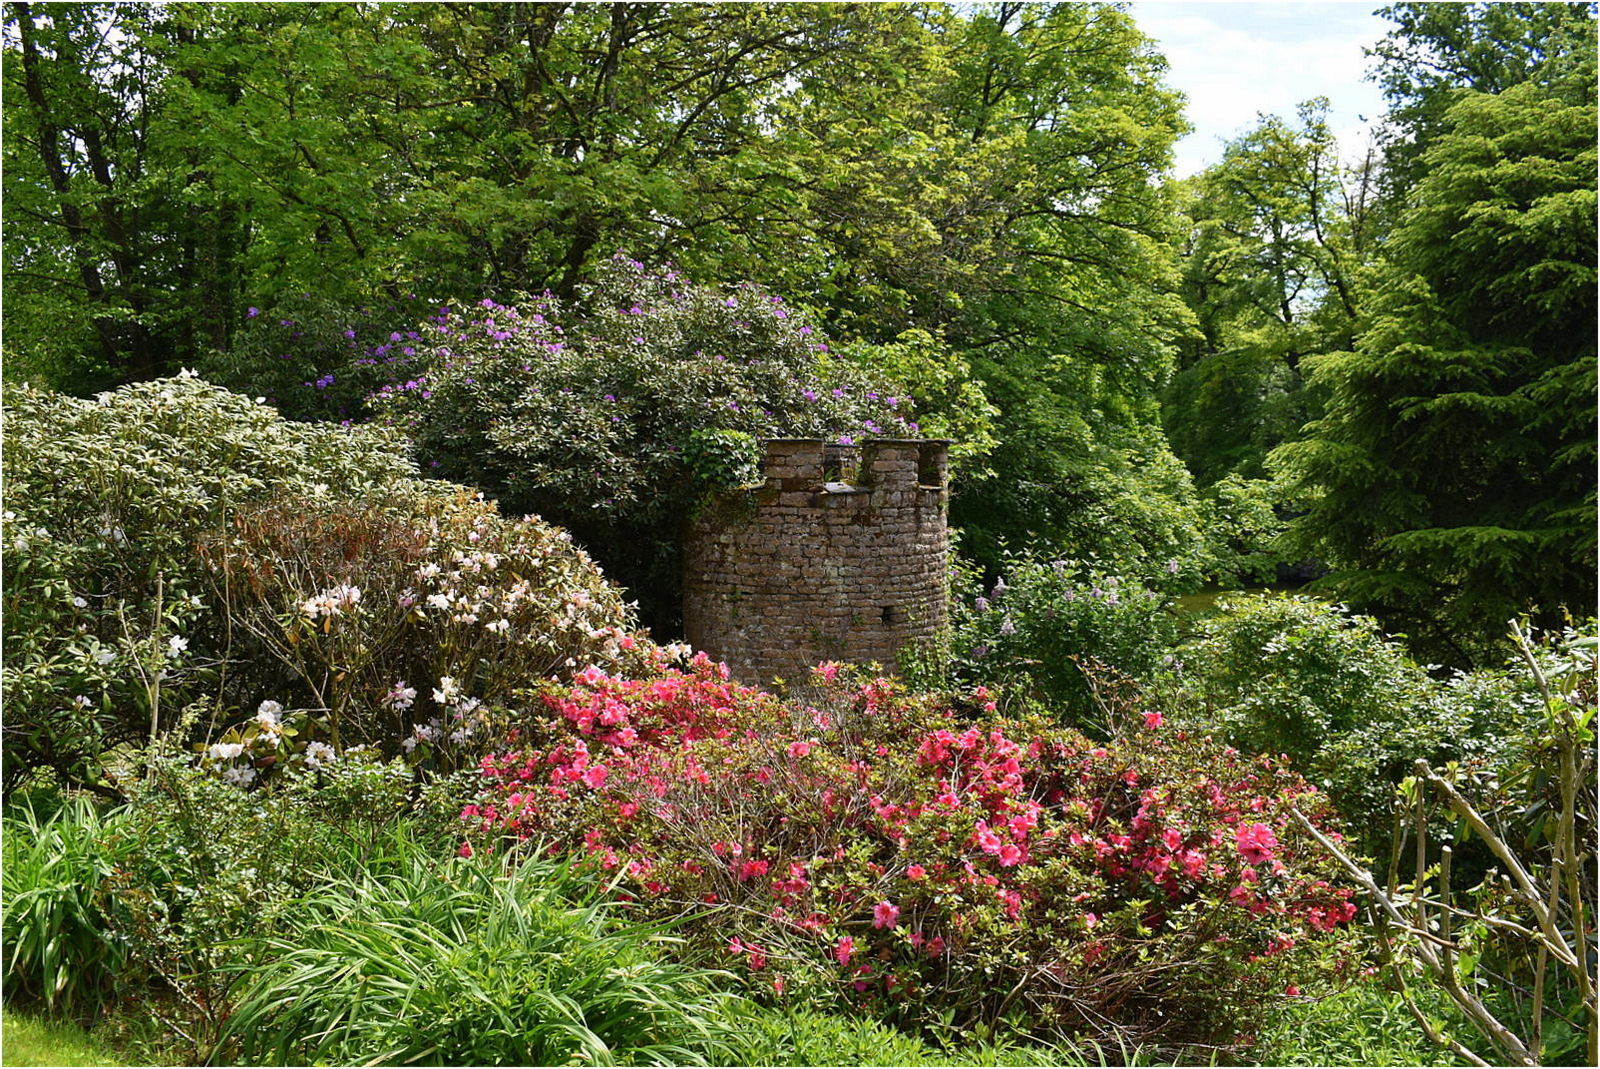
[33,1040]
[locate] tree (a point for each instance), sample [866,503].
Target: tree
[1437,51]
[84,189]
[1277,229]
[1452,477]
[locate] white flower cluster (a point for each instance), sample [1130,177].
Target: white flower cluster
[400,696]
[333,602]
[267,715]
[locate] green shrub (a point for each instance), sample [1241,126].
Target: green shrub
[798,1037]
[1033,632]
[1298,676]
[59,948]
[469,964]
[205,864]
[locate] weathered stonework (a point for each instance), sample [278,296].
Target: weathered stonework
[841,555]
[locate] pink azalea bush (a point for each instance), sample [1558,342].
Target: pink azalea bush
[919,855]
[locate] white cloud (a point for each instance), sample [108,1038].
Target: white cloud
[1234,61]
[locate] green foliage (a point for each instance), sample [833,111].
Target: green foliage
[206,867]
[1436,52]
[1243,525]
[1277,228]
[470,964]
[949,402]
[1042,627]
[59,949]
[1079,469]
[786,1036]
[1362,1025]
[1297,676]
[1450,482]
[1507,946]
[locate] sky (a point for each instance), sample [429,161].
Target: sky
[1236,60]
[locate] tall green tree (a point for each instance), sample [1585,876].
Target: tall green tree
[1452,478]
[90,194]
[1277,230]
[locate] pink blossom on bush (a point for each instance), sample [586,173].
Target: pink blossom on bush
[1256,843]
[983,830]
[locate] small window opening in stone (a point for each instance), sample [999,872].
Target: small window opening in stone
[840,464]
[889,615]
[930,472]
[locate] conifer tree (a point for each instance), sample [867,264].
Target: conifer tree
[1452,478]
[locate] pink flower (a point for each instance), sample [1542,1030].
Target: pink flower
[752,868]
[885,914]
[988,841]
[1090,920]
[1152,720]
[799,749]
[1256,843]
[595,776]
[466,850]
[841,952]
[915,872]
[1010,854]
[1013,903]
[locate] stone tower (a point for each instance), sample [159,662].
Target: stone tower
[841,555]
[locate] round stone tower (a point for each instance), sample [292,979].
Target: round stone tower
[841,555]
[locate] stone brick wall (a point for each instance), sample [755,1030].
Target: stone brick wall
[841,555]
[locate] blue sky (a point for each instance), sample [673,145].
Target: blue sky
[1235,60]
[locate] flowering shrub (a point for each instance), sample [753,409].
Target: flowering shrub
[1040,622]
[314,358]
[925,858]
[409,623]
[588,418]
[107,620]
[312,535]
